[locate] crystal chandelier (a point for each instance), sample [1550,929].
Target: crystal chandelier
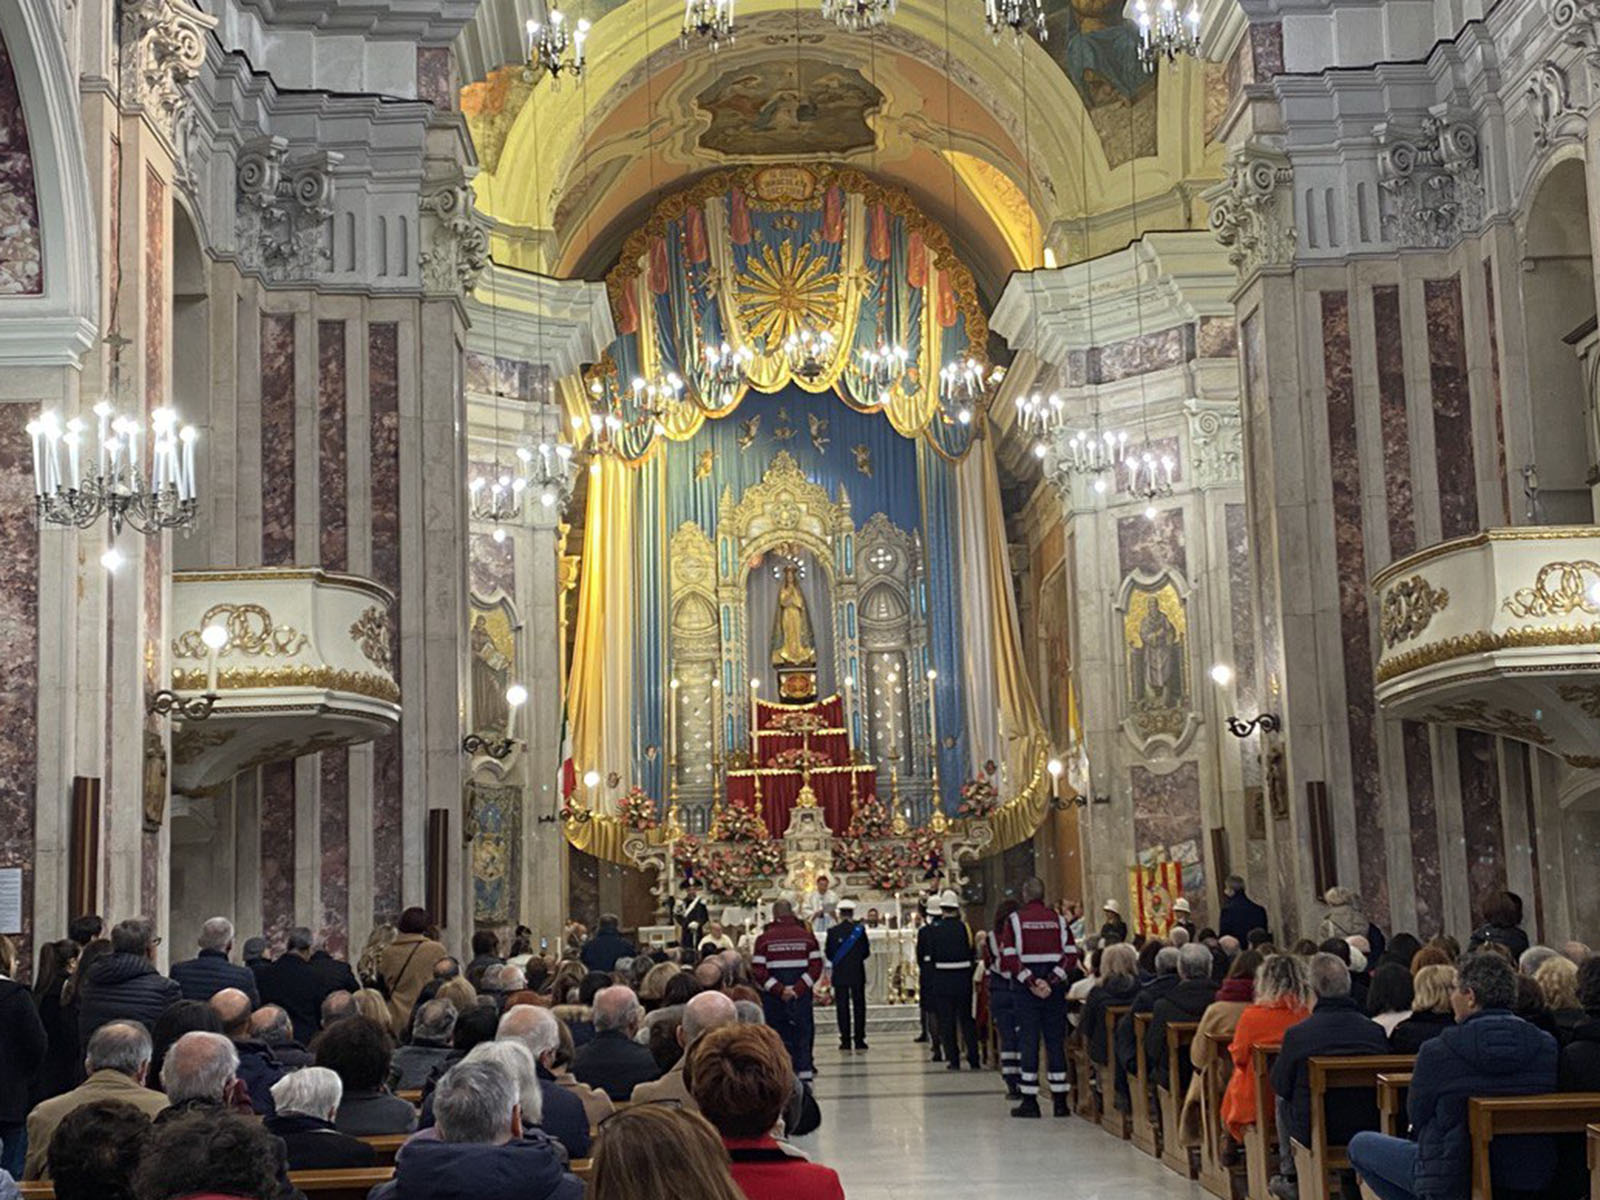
[883,366]
[1149,473]
[727,369]
[555,47]
[710,20]
[658,397]
[1164,34]
[809,353]
[545,470]
[1017,15]
[151,489]
[858,14]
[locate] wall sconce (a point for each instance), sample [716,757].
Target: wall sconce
[499,748]
[196,708]
[1266,722]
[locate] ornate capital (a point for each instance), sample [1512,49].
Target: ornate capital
[455,244]
[163,48]
[1216,443]
[1251,209]
[282,208]
[1555,119]
[1578,23]
[1430,190]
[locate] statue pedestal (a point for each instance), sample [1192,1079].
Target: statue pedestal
[807,844]
[797,685]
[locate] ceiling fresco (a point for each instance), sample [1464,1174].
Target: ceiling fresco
[786,108]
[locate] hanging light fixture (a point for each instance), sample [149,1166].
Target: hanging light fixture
[150,488]
[1163,33]
[727,369]
[709,20]
[1020,16]
[883,366]
[554,46]
[809,352]
[856,15]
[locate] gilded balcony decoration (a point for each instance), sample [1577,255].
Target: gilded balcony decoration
[1500,632]
[307,666]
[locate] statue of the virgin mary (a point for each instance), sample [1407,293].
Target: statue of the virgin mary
[793,644]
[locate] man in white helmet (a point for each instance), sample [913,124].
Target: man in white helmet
[951,984]
[1114,928]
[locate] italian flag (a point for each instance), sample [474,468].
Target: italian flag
[567,779]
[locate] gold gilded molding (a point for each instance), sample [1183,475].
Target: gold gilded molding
[1559,588]
[1584,762]
[371,634]
[1484,642]
[1502,722]
[251,631]
[1513,533]
[238,679]
[1407,609]
[260,575]
[1585,695]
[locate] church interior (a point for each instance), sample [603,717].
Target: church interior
[534,463]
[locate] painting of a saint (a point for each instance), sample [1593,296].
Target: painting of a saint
[794,107]
[793,643]
[1155,639]
[490,672]
[1158,674]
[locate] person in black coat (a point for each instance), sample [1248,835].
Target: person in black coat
[22,1049]
[1119,984]
[614,1062]
[1239,914]
[63,1060]
[259,1067]
[298,986]
[270,1024]
[305,1104]
[692,918]
[600,953]
[950,947]
[847,950]
[1502,923]
[125,985]
[335,973]
[1580,1057]
[485,954]
[255,957]
[209,972]
[1126,1045]
[1186,1002]
[928,1029]
[1430,1009]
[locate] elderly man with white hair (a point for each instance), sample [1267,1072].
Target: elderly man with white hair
[563,1115]
[209,972]
[117,1062]
[703,1013]
[613,1061]
[306,1101]
[480,1152]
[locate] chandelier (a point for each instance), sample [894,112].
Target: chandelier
[1164,34]
[150,488]
[658,397]
[545,470]
[1149,473]
[727,369]
[711,20]
[1017,15]
[883,366]
[809,353]
[858,14]
[556,48]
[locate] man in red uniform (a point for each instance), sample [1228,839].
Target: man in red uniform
[1038,953]
[786,966]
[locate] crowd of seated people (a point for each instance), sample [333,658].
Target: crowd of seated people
[301,1061]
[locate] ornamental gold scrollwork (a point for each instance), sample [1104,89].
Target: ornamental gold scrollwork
[1585,695]
[358,683]
[1558,589]
[1408,607]
[371,634]
[1484,642]
[1503,722]
[250,631]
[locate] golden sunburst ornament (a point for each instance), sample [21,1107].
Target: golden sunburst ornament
[784,289]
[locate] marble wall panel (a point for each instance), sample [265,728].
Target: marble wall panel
[1354,624]
[1480,817]
[333,531]
[492,565]
[334,828]
[1258,474]
[1396,421]
[1242,630]
[21,243]
[434,77]
[1452,407]
[1152,546]
[1217,337]
[277,440]
[383,376]
[1167,826]
[156,300]
[1142,354]
[1502,465]
[1423,811]
[277,849]
[19,658]
[498,375]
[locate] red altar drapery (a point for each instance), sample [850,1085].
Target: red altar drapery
[830,711]
[833,744]
[780,790]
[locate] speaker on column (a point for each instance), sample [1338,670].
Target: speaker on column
[83,867]
[438,865]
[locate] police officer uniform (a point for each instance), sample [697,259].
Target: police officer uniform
[1037,951]
[929,1026]
[787,957]
[1003,1014]
[847,950]
[950,948]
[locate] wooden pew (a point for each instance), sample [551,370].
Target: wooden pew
[1144,1130]
[353,1184]
[1085,1099]
[1112,1118]
[1215,1178]
[1393,1087]
[1180,1036]
[1314,1164]
[411,1095]
[1594,1162]
[1503,1116]
[1261,1139]
[385,1146]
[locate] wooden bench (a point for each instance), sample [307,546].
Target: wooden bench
[1393,1088]
[385,1146]
[1143,1134]
[1215,1178]
[1505,1116]
[353,1184]
[1112,1119]
[1261,1138]
[1594,1162]
[411,1096]
[1315,1164]
[1180,1036]
[1085,1099]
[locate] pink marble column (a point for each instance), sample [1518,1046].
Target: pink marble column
[1480,816]
[156,300]
[1499,399]
[383,375]
[334,542]
[277,803]
[1452,407]
[19,657]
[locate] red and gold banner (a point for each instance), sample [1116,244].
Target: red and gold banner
[1155,889]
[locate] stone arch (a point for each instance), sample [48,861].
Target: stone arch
[57,324]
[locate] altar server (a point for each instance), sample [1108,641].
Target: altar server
[951,952]
[786,966]
[847,951]
[1037,952]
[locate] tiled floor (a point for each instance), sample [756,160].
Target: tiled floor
[897,1127]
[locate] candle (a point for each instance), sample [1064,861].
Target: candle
[516,696]
[215,638]
[73,439]
[755,686]
[188,436]
[102,412]
[36,433]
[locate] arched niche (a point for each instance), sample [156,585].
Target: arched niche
[55,326]
[1558,306]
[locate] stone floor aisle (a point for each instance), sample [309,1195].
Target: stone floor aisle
[897,1127]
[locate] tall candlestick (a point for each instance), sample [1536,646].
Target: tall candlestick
[755,686]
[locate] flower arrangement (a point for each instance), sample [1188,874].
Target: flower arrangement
[870,820]
[849,854]
[730,879]
[927,851]
[979,798]
[887,869]
[766,857]
[637,810]
[687,855]
[798,759]
[798,722]
[735,823]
